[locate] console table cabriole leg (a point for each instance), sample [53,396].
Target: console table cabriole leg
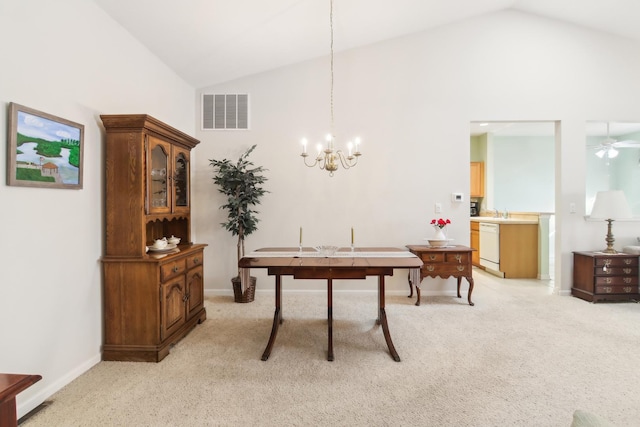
[382,319]
[330,319]
[459,279]
[277,319]
[410,285]
[470,280]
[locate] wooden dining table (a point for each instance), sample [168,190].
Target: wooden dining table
[346,263]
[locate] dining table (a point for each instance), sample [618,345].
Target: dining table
[344,263]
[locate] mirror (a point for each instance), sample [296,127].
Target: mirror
[613,161]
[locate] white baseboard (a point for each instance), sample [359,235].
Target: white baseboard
[24,406]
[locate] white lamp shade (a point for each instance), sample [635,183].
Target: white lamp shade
[610,205]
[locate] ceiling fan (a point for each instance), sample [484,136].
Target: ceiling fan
[608,147]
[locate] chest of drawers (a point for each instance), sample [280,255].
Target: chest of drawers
[598,276]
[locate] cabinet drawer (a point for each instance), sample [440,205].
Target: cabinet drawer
[616,271]
[172,268]
[617,280]
[446,270]
[194,260]
[617,261]
[432,257]
[617,289]
[457,258]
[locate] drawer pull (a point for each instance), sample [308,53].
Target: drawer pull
[626,280]
[430,268]
[607,280]
[607,263]
[626,270]
[460,267]
[627,261]
[196,260]
[459,257]
[175,269]
[607,289]
[432,257]
[628,289]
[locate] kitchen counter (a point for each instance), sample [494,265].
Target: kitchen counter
[503,220]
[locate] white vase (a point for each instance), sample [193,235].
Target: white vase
[439,233]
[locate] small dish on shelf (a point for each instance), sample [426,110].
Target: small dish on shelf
[166,248]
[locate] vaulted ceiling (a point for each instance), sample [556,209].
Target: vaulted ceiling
[213,41]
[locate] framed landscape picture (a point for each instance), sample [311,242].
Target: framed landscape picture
[43,150]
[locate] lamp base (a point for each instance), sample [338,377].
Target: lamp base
[609,239]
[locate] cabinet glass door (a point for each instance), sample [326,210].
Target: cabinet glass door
[181,180]
[159,176]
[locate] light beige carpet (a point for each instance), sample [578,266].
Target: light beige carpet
[520,357]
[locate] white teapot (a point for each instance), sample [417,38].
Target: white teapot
[173,240]
[160,243]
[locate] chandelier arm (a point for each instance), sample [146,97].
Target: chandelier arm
[347,161]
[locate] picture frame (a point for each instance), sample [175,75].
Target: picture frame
[43,150]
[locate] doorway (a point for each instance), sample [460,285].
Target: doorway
[519,159]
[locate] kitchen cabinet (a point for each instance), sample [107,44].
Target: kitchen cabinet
[475,243]
[477,179]
[516,245]
[151,299]
[600,276]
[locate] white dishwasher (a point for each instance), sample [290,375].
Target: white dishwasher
[490,245]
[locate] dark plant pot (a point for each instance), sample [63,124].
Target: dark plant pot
[249,293]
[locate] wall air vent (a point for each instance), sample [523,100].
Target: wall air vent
[225,112]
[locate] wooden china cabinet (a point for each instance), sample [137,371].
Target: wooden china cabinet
[152,298]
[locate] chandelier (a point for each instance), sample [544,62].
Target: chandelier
[328,158]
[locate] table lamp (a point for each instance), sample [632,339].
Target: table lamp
[610,205]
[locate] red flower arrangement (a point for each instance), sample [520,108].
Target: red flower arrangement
[441,223]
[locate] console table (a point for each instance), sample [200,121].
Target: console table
[444,262]
[10,386]
[344,264]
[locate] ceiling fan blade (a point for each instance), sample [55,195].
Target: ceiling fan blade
[627,143]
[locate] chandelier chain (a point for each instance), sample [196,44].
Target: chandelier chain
[331,27]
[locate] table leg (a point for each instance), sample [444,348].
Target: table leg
[382,319]
[410,285]
[277,319]
[330,319]
[417,295]
[459,279]
[470,280]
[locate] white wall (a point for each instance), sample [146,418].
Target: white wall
[412,99]
[523,170]
[69,59]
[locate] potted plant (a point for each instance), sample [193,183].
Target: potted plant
[241,183]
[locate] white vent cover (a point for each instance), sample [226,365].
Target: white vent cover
[225,111]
